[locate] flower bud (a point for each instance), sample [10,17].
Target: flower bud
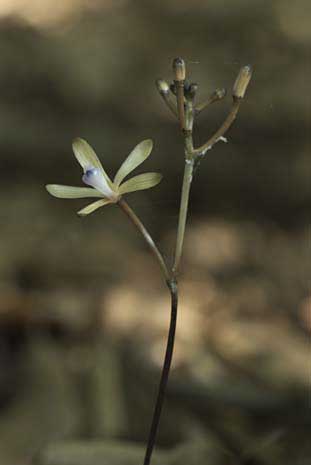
[220,93]
[191,91]
[162,86]
[179,68]
[173,88]
[186,85]
[242,82]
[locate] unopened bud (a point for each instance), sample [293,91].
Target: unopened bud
[173,88]
[179,68]
[192,90]
[242,82]
[220,93]
[162,86]
[187,84]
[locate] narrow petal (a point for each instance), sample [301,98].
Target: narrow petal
[87,157]
[93,206]
[140,182]
[135,158]
[70,192]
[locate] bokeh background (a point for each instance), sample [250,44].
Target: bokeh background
[83,308]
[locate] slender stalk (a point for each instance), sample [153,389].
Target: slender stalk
[150,242]
[164,91]
[183,213]
[185,191]
[222,130]
[172,285]
[216,96]
[167,98]
[180,103]
[165,373]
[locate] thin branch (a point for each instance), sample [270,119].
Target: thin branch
[172,285]
[216,96]
[181,103]
[150,242]
[170,103]
[164,91]
[222,130]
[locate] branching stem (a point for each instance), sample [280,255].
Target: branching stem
[147,237]
[216,96]
[172,285]
[222,130]
[185,111]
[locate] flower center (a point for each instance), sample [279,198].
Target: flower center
[95,178]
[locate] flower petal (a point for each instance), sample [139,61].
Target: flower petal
[140,182]
[93,206]
[87,157]
[135,158]
[70,192]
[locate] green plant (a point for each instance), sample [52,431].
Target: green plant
[180,99]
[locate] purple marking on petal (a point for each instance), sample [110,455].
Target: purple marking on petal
[90,176]
[91,171]
[95,178]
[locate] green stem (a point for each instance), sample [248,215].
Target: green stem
[172,285]
[169,102]
[165,373]
[216,96]
[185,191]
[222,130]
[180,103]
[183,211]
[148,239]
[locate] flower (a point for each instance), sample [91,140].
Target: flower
[95,176]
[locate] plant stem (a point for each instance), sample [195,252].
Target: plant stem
[216,96]
[169,103]
[172,285]
[180,103]
[222,130]
[183,213]
[186,113]
[165,373]
[150,242]
[188,173]
[186,126]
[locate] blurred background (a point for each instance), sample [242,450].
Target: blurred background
[83,308]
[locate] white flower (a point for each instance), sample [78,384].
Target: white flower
[101,185]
